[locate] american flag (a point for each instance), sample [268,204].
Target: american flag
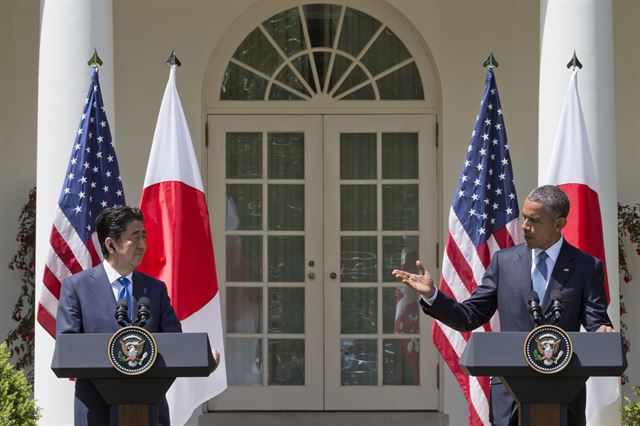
[92,182]
[483,219]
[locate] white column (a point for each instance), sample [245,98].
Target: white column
[69,31]
[585,26]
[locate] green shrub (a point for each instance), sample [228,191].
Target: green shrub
[631,409]
[17,407]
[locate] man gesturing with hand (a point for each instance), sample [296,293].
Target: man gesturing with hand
[546,262]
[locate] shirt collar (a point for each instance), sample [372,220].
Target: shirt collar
[553,252]
[113,275]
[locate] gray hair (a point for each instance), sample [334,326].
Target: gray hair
[553,198]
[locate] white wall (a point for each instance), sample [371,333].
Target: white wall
[626,15]
[144,35]
[18,106]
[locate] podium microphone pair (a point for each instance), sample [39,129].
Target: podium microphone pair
[535,311]
[122,312]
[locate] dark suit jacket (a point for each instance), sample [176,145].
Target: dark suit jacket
[87,305]
[506,286]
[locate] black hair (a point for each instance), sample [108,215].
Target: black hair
[112,221]
[553,198]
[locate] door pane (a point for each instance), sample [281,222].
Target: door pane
[357,156]
[244,207]
[358,208]
[400,311]
[399,252]
[358,259]
[286,310]
[286,259]
[244,310]
[400,207]
[244,258]
[244,361]
[401,362]
[359,365]
[286,207]
[286,362]
[244,155]
[286,155]
[400,156]
[358,310]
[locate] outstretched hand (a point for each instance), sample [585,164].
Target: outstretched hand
[422,283]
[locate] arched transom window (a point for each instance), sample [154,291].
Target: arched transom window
[321,50]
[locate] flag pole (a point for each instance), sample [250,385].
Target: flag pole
[94,60]
[490,61]
[574,62]
[173,60]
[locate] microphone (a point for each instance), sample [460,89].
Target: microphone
[534,307]
[144,313]
[556,305]
[122,312]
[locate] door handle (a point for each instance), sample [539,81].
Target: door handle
[311,275]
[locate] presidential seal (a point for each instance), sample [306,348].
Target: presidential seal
[132,350]
[548,349]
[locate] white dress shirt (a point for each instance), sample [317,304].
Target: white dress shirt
[552,255]
[113,276]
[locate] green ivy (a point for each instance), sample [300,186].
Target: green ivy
[17,408]
[631,409]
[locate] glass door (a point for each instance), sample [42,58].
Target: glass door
[380,214]
[265,183]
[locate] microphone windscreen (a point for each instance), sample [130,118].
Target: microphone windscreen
[533,296]
[122,303]
[556,295]
[144,301]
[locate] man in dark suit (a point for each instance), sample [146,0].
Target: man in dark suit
[507,284]
[88,300]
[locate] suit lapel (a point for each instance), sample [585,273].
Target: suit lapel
[102,289]
[561,273]
[140,289]
[522,271]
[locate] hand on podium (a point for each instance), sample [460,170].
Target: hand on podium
[216,358]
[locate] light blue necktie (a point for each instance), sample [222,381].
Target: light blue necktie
[124,294]
[540,274]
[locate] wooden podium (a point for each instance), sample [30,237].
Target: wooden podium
[543,398]
[85,356]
